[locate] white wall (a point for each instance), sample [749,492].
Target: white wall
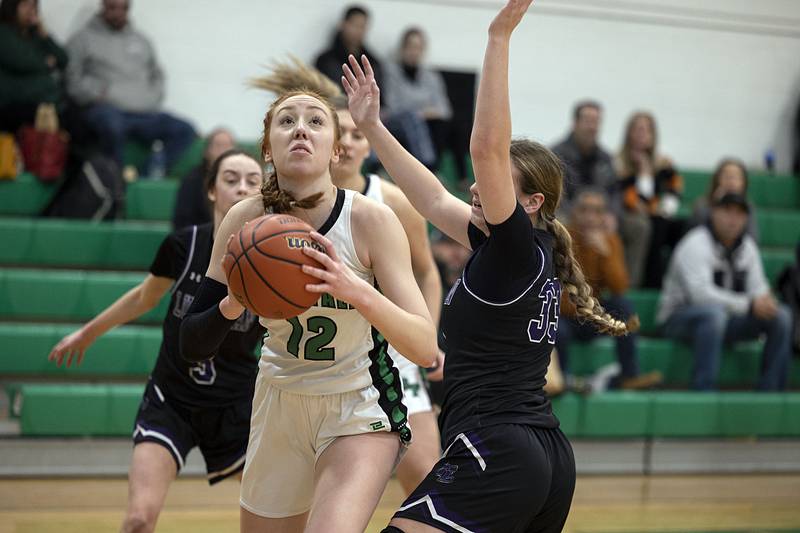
[721,76]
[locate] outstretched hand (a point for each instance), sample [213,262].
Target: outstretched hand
[363,94]
[71,347]
[509,17]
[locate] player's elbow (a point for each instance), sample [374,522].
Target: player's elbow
[426,349]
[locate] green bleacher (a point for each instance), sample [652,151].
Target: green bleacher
[108,410]
[55,274]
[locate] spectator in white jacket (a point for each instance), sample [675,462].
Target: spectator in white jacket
[715,293]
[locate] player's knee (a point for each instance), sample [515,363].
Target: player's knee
[392,529]
[139,522]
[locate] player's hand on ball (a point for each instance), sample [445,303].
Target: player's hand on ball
[363,94]
[74,344]
[336,278]
[509,17]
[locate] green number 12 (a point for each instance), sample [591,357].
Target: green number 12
[316,348]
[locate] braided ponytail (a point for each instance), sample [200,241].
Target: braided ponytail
[540,171]
[276,200]
[573,281]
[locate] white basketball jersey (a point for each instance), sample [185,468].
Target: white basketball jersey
[328,348]
[375,192]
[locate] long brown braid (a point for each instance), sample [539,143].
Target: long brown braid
[287,79]
[540,171]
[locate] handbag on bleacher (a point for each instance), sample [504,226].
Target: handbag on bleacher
[44,146]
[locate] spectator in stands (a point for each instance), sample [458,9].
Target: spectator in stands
[651,191]
[586,163]
[191,202]
[417,94]
[31,63]
[715,292]
[599,252]
[114,72]
[349,39]
[730,176]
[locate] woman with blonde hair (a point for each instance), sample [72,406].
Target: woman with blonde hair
[346,173]
[651,191]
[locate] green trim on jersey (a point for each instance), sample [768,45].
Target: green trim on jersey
[386,379]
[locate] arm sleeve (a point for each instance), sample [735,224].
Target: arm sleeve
[204,328]
[505,265]
[82,87]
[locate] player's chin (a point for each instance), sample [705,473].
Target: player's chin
[304,169]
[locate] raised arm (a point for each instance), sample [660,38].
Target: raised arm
[491,131]
[130,306]
[423,189]
[422,262]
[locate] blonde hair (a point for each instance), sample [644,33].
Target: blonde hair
[294,75]
[287,81]
[624,161]
[540,171]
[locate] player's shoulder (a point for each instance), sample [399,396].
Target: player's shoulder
[370,219]
[366,209]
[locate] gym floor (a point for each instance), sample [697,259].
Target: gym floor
[602,504]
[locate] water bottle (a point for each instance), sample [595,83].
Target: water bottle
[158,163]
[769,161]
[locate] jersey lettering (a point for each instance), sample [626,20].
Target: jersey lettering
[546,324]
[326,300]
[204,372]
[316,348]
[182,304]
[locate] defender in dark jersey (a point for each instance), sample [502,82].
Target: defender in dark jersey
[185,405]
[507,467]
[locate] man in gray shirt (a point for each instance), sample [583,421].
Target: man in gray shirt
[586,163]
[715,293]
[113,71]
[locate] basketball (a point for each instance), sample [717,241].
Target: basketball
[263,265]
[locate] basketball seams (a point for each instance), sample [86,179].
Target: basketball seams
[253,267]
[253,240]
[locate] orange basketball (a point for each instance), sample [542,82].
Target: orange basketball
[264,262]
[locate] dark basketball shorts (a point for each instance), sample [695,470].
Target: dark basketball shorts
[220,433]
[506,478]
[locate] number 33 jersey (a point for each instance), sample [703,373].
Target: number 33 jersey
[330,348]
[497,348]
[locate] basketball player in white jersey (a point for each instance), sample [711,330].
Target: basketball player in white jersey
[346,173]
[328,421]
